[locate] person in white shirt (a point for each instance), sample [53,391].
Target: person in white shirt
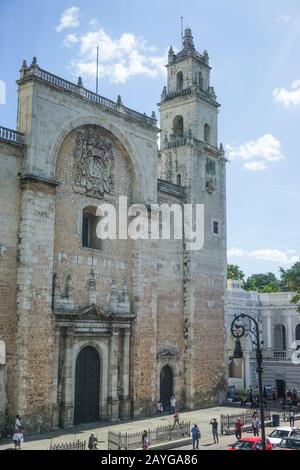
[18,439]
[173,404]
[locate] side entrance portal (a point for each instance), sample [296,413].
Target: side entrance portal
[166,386]
[87,386]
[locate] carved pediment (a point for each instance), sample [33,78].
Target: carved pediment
[167,351]
[92,311]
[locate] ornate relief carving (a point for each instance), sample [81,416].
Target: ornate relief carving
[94,163]
[167,351]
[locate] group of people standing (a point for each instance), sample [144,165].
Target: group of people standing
[255,425]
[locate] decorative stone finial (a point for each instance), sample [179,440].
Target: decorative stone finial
[171,55]
[163,93]
[188,41]
[34,62]
[24,64]
[80,83]
[205,56]
[119,100]
[153,116]
[221,147]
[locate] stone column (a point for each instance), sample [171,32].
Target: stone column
[125,404]
[113,398]
[247,372]
[55,408]
[289,332]
[269,331]
[67,404]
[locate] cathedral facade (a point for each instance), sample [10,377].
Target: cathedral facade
[96,329]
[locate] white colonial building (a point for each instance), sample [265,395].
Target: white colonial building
[280,327]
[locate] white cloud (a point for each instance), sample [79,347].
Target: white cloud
[256,166]
[69,19]
[70,40]
[283,19]
[119,59]
[257,152]
[288,97]
[266,254]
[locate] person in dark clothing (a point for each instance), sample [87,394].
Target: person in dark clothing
[214,428]
[196,435]
[93,441]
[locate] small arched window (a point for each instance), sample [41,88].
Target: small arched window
[206,133]
[179,81]
[200,81]
[279,338]
[179,180]
[178,126]
[89,226]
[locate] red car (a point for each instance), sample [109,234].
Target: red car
[250,443]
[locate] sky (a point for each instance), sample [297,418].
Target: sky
[254,51]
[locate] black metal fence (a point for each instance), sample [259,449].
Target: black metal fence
[119,441]
[76,445]
[228,421]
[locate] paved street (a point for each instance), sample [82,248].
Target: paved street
[201,417]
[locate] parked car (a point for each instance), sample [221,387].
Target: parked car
[250,443]
[289,443]
[282,432]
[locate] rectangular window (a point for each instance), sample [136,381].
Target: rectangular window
[216,227]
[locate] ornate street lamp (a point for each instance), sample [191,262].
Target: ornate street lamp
[238,330]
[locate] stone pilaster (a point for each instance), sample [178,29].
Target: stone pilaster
[35,325]
[113,398]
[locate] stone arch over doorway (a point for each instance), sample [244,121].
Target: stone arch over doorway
[87,386]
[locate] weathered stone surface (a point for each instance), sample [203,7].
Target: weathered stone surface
[141,304]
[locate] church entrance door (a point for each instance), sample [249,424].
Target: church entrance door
[166,386]
[87,386]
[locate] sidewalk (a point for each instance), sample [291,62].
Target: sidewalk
[201,417]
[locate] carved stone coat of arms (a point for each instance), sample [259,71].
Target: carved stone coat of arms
[94,163]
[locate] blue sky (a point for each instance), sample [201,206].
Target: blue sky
[254,50]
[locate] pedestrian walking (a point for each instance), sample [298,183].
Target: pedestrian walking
[292,417]
[214,429]
[159,407]
[145,440]
[255,426]
[196,436]
[173,404]
[176,418]
[238,426]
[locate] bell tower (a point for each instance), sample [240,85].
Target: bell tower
[191,157]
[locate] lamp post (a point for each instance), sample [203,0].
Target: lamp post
[238,330]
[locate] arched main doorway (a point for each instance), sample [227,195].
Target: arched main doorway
[87,386]
[166,386]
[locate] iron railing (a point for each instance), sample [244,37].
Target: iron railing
[279,354]
[228,421]
[9,135]
[76,445]
[35,71]
[119,441]
[171,188]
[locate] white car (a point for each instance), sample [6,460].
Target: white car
[283,432]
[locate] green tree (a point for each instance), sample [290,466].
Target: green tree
[290,279]
[234,272]
[263,283]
